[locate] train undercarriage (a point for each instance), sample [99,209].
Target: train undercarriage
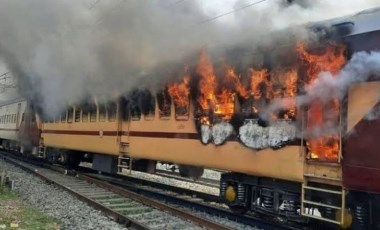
[283,199]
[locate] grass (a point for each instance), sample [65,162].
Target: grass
[14,211]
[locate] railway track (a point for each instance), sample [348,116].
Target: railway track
[133,210]
[142,204]
[207,206]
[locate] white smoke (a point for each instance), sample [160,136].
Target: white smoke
[360,68]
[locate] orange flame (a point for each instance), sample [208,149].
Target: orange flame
[207,83]
[319,115]
[180,91]
[260,84]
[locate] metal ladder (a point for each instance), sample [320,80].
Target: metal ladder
[304,202]
[41,149]
[123,155]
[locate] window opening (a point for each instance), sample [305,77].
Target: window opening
[164,104]
[134,105]
[124,108]
[77,112]
[148,104]
[70,114]
[102,112]
[93,112]
[64,116]
[112,111]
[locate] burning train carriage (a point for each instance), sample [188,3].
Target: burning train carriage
[249,122]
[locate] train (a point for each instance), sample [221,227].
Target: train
[274,167]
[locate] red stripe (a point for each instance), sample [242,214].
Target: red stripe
[162,135]
[132,133]
[81,132]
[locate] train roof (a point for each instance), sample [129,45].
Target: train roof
[365,21]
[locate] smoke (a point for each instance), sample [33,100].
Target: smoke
[62,51]
[374,114]
[327,87]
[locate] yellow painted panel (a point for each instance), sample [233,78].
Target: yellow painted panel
[87,143]
[285,163]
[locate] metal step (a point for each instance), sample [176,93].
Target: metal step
[341,193]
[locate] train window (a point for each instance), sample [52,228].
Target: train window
[102,112]
[22,117]
[164,104]
[93,112]
[181,111]
[85,113]
[124,109]
[135,104]
[57,119]
[112,111]
[70,113]
[64,116]
[148,104]
[77,112]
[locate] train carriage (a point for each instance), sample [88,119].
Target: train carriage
[276,168]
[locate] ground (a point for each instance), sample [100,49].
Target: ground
[16,214]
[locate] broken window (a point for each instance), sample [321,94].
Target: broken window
[164,103]
[134,105]
[63,116]
[124,109]
[112,111]
[148,104]
[70,114]
[102,111]
[77,114]
[93,112]
[85,112]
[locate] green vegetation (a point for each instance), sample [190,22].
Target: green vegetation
[14,214]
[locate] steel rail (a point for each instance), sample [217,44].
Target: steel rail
[129,222]
[150,202]
[122,219]
[201,206]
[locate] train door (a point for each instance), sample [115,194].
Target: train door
[123,124]
[18,115]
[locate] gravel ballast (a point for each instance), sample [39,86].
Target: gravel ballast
[53,201]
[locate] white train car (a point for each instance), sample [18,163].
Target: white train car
[11,116]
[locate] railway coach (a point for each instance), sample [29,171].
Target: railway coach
[277,167]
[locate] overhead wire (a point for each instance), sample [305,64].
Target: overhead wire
[229,12]
[175,3]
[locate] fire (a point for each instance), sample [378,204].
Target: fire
[234,80]
[212,102]
[180,92]
[260,84]
[207,83]
[321,115]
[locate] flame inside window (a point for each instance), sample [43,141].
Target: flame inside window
[322,117]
